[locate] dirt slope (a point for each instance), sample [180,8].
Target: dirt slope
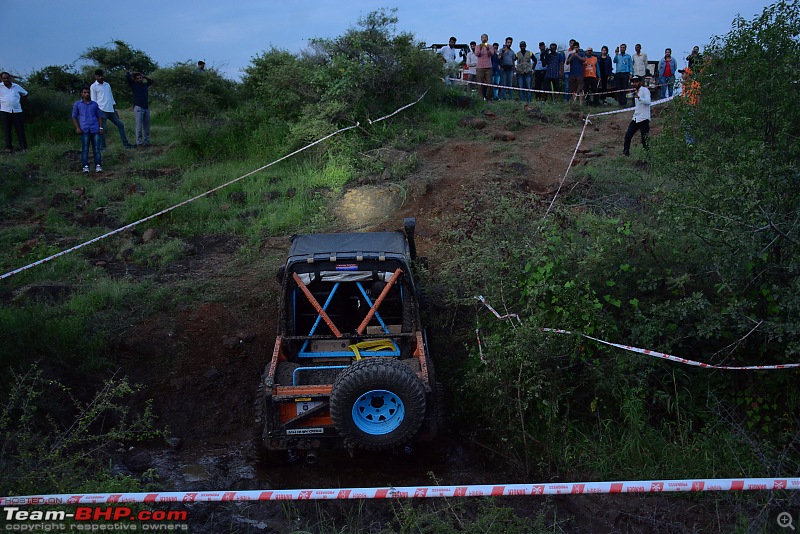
[200,365]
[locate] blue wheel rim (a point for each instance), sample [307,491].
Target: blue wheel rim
[378,412]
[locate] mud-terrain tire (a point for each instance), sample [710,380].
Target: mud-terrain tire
[377,403]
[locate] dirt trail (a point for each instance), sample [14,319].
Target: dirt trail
[200,365]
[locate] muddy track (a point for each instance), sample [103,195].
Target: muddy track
[200,364]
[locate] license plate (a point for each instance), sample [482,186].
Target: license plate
[304,406]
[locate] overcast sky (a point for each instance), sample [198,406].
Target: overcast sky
[227,34]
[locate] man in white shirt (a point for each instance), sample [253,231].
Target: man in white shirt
[641,115]
[449,54]
[639,62]
[11,98]
[101,93]
[472,64]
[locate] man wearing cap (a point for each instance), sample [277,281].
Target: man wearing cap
[526,61]
[141,105]
[641,115]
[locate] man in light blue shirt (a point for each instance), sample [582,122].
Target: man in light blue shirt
[623,68]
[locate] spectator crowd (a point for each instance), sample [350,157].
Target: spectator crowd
[584,75]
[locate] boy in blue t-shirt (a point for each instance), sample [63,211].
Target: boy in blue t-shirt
[88,120]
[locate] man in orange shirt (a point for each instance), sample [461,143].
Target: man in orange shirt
[590,76]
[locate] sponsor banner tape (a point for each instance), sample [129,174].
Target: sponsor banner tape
[647,352]
[417,492]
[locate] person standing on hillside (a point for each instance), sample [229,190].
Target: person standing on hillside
[101,93]
[622,74]
[88,120]
[449,55]
[506,57]
[472,65]
[141,105]
[694,58]
[590,76]
[576,60]
[526,61]
[641,115]
[604,69]
[201,68]
[12,96]
[483,70]
[667,68]
[639,62]
[539,72]
[555,70]
[567,67]
[496,70]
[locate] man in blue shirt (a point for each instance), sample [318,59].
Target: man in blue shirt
[554,61]
[141,105]
[623,64]
[88,120]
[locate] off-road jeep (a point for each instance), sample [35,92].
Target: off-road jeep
[350,368]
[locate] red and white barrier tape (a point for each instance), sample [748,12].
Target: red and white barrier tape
[511,88]
[167,210]
[649,352]
[417,492]
[678,359]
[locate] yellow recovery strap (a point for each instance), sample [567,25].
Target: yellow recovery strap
[377,344]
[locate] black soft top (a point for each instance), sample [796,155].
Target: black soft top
[355,246]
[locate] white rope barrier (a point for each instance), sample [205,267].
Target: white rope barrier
[647,352]
[171,208]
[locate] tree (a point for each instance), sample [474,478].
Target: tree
[61,78]
[122,57]
[194,94]
[739,194]
[115,61]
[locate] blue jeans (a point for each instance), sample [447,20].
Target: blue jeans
[524,81]
[93,139]
[496,81]
[112,116]
[506,80]
[567,94]
[667,85]
[142,116]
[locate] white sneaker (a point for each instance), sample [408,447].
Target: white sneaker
[97,168]
[85,168]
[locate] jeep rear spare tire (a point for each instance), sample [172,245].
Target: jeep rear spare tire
[377,403]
